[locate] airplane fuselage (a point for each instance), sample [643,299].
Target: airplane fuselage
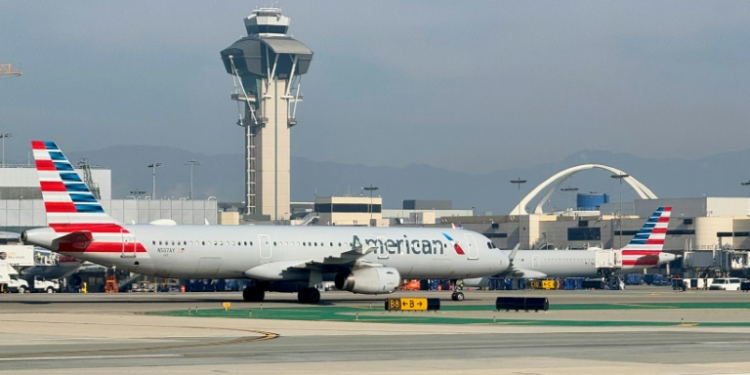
[235,251]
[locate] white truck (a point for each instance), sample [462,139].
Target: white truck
[9,280]
[41,285]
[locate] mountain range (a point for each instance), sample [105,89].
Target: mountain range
[221,176]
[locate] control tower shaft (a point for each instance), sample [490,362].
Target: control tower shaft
[267,66]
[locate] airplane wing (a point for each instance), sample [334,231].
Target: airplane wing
[333,263]
[520,272]
[349,258]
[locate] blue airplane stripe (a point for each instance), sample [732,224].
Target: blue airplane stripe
[50,146]
[76,187]
[89,208]
[82,198]
[70,177]
[66,167]
[448,237]
[638,242]
[56,155]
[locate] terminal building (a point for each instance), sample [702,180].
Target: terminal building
[21,205]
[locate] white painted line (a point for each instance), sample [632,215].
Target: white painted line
[21,359]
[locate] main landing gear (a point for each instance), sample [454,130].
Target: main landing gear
[458,286]
[253,294]
[309,295]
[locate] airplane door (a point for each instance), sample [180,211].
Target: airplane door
[382,249]
[266,249]
[471,243]
[128,245]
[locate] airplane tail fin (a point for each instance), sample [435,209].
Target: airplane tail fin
[70,205]
[645,248]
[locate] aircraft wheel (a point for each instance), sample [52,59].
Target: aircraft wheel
[458,296]
[309,296]
[252,294]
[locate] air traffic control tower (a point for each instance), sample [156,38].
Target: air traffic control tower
[267,66]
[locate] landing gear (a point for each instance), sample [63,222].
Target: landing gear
[457,296]
[253,294]
[458,286]
[309,295]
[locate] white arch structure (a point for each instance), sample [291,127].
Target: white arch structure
[560,177]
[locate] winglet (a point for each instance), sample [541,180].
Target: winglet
[513,253]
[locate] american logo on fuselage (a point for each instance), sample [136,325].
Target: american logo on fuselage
[404,245]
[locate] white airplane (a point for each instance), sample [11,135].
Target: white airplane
[643,251]
[365,260]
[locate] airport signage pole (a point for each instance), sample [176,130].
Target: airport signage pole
[518,182]
[192,163]
[371,189]
[3,136]
[153,167]
[620,177]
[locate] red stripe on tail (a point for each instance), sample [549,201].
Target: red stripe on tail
[60,207]
[38,145]
[52,186]
[45,165]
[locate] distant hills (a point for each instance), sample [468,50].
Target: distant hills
[221,176]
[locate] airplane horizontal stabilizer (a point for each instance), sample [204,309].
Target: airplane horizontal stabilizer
[75,241]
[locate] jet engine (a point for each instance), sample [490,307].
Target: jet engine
[369,280]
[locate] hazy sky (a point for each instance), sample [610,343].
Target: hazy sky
[462,85]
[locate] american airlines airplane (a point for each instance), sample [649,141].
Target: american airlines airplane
[367,260]
[643,251]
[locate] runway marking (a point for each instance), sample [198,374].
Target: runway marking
[82,357]
[648,306]
[264,336]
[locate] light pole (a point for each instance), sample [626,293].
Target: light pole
[192,163]
[371,189]
[572,191]
[3,136]
[746,184]
[620,177]
[518,181]
[153,167]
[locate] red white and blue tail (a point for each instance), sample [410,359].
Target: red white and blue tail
[644,249]
[73,213]
[67,200]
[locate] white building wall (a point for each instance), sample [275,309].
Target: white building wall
[27,177]
[31,213]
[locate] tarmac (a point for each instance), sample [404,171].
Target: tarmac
[640,330]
